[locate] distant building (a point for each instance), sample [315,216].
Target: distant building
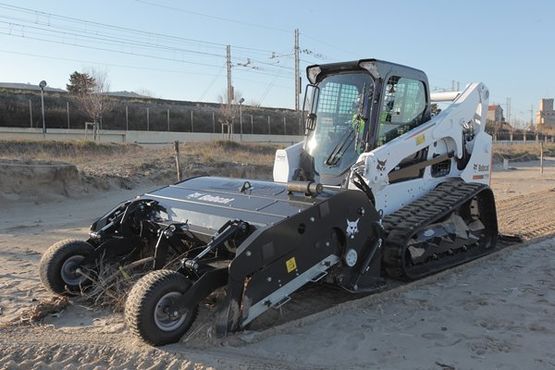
[495,113]
[545,117]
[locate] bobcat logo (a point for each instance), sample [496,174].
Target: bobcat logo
[480,167]
[352,228]
[381,165]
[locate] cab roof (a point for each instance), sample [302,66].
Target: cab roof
[379,69]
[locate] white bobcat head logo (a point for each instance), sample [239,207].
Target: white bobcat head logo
[352,228]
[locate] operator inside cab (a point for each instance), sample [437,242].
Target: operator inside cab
[358,123]
[341,120]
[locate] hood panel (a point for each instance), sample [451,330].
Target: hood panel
[208,202]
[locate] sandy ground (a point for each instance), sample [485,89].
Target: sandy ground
[496,312]
[523,178]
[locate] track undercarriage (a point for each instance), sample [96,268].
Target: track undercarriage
[453,224]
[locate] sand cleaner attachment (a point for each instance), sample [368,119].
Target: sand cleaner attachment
[261,241]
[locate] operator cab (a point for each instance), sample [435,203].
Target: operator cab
[354,107]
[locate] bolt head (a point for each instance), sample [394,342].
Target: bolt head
[248,253]
[312,219]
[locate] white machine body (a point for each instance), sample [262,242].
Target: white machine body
[458,129]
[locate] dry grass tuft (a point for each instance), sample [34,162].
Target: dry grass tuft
[111,282]
[229,151]
[52,305]
[131,164]
[28,149]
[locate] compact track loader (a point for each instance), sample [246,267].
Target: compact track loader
[381,187]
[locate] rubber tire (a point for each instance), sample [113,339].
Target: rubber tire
[52,260]
[142,301]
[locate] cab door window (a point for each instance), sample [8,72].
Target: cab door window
[403,108]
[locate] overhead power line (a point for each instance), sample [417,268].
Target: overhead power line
[212,83]
[24,36]
[219,18]
[134,67]
[30,32]
[244,23]
[126,29]
[327,43]
[26,23]
[46,20]
[125,66]
[38,28]
[269,87]
[105,39]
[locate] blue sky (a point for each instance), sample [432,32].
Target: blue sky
[509,45]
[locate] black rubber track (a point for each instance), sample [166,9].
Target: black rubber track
[440,202]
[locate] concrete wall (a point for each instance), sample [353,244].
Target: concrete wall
[139,137]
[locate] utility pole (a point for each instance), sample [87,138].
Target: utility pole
[229,85]
[297,72]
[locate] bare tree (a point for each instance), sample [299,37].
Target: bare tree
[94,102]
[226,117]
[228,112]
[237,95]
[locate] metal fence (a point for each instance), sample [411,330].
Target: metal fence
[24,110]
[522,138]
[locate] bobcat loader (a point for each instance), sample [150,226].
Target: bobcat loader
[380,187]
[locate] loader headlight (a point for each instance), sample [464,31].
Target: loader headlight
[351,257]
